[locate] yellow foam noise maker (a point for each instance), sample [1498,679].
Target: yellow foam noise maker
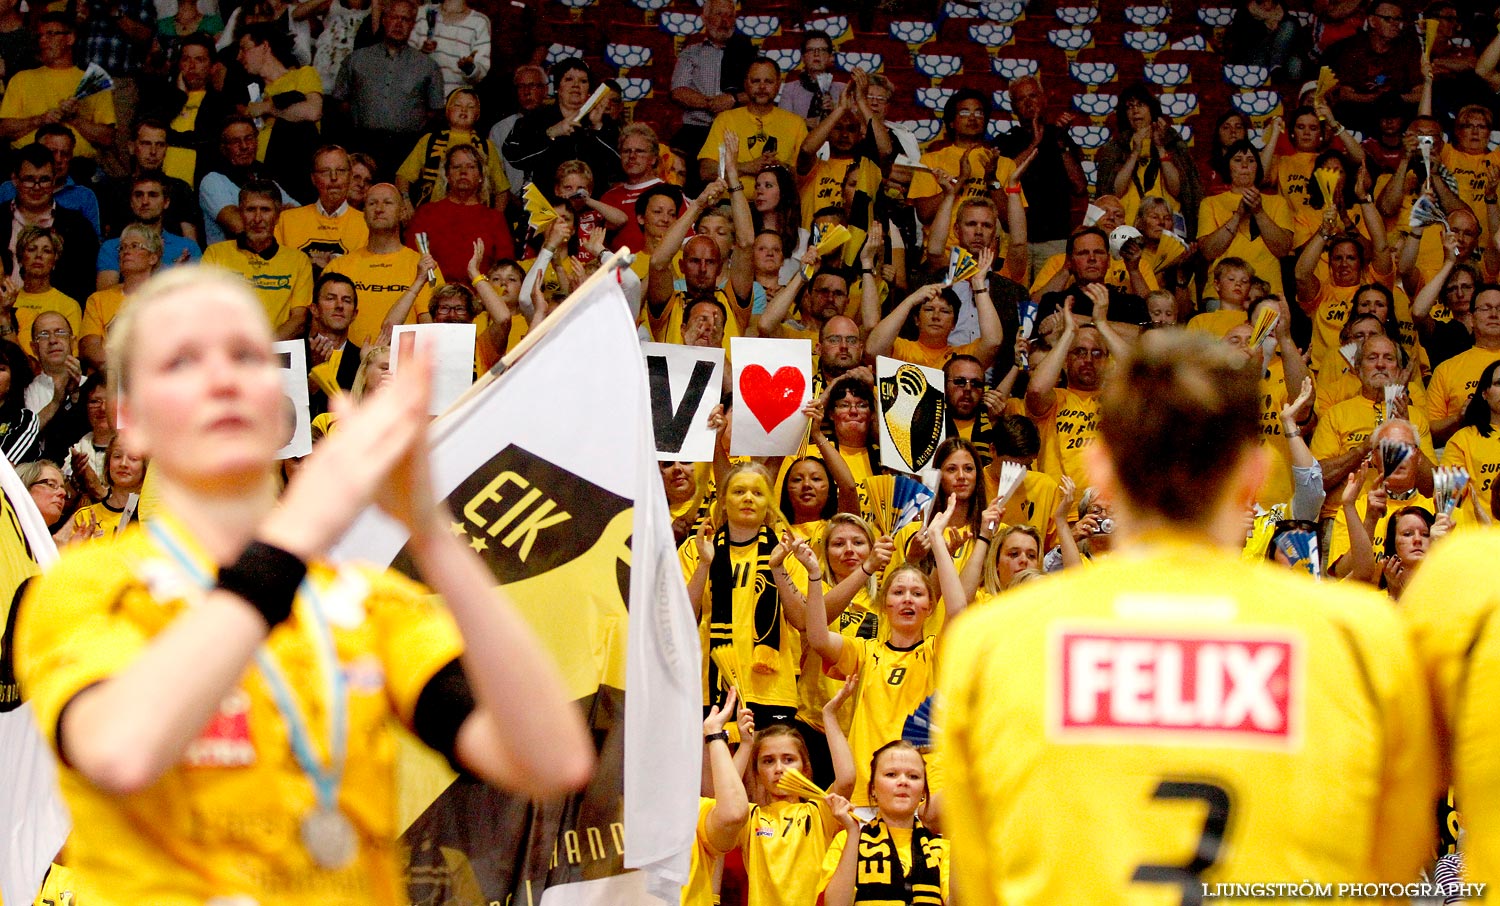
[538,209]
[1326,82]
[1328,182]
[325,375]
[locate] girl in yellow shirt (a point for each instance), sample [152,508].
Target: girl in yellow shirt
[897,859]
[897,672]
[785,838]
[126,473]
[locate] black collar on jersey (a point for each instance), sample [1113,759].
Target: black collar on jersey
[880,880]
[271,251]
[913,647]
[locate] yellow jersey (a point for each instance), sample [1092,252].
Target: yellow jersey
[1216,210]
[282,281]
[783,845]
[101,309]
[182,163]
[1195,718]
[932,356]
[779,687]
[1350,423]
[29,305]
[312,232]
[1218,323]
[892,683]
[33,92]
[1032,505]
[1469,171]
[302,79]
[1291,173]
[1454,380]
[789,130]
[1481,456]
[1066,429]
[1450,611]
[224,821]
[380,280]
[1337,382]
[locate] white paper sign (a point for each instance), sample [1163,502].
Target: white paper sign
[910,153]
[452,349]
[912,410]
[685,386]
[292,355]
[772,384]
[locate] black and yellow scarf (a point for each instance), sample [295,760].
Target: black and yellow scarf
[721,579]
[432,164]
[878,876]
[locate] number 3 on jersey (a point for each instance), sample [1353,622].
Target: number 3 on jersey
[1190,876]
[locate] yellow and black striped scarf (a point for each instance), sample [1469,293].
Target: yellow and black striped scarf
[721,581]
[879,879]
[432,163]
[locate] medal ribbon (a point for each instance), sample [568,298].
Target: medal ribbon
[325,780]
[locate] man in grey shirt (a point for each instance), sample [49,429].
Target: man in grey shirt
[708,76]
[393,90]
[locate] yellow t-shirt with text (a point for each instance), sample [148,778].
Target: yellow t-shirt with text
[1303,748]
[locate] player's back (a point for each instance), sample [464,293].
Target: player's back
[1451,604]
[1174,717]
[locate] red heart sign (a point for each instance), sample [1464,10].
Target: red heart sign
[771,398]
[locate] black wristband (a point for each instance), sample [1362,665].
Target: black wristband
[721,735]
[266,577]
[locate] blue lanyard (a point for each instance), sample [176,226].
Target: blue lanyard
[325,781]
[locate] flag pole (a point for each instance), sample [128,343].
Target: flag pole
[623,258]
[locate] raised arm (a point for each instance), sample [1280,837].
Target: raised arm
[991,329]
[697,584]
[1041,393]
[883,337]
[1118,346]
[1421,304]
[838,744]
[838,597]
[741,264]
[942,219]
[807,155]
[780,306]
[1309,287]
[401,310]
[827,644]
[838,467]
[869,282]
[731,808]
[1067,545]
[989,523]
[1268,148]
[1017,260]
[1488,65]
[1360,562]
[949,584]
[659,282]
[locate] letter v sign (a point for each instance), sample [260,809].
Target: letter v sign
[671,424]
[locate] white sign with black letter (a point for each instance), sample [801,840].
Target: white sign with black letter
[685,386]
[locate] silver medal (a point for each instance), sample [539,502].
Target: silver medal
[329,837]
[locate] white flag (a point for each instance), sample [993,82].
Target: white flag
[33,820]
[550,472]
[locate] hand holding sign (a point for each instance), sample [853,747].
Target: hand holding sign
[772,382]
